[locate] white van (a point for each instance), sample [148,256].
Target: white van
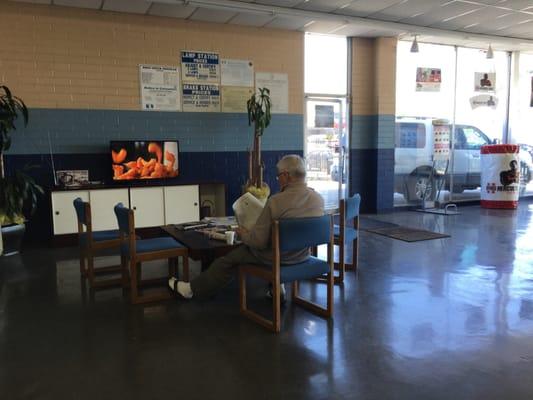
[414,159]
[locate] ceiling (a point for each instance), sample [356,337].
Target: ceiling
[506,24]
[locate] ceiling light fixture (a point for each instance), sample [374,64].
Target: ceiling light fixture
[490,53]
[414,46]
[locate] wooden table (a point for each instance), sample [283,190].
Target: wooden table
[199,245]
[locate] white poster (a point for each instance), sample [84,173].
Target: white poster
[159,88]
[279,89]
[428,79]
[237,73]
[234,98]
[200,67]
[484,100]
[484,81]
[441,141]
[201,97]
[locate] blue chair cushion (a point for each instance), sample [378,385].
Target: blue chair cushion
[350,234]
[100,236]
[157,244]
[311,268]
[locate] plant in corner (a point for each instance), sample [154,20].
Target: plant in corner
[258,107]
[18,191]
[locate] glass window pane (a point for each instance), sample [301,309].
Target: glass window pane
[326,64]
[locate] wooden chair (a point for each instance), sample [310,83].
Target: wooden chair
[290,235]
[348,210]
[133,252]
[90,243]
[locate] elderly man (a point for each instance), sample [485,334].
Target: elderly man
[295,200]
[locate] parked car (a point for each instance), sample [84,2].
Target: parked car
[413,170]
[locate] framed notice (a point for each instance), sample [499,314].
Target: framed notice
[428,79]
[237,73]
[201,97]
[234,98]
[279,89]
[200,67]
[160,88]
[484,81]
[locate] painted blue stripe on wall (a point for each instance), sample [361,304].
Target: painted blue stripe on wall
[372,132]
[89,131]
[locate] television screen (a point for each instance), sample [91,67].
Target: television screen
[144,159]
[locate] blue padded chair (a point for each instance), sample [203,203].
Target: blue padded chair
[134,252]
[348,210]
[91,242]
[290,235]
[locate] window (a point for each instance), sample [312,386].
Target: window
[410,135]
[474,138]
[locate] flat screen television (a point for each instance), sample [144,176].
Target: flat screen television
[151,159]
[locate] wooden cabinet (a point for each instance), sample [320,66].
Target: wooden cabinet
[148,205]
[182,204]
[103,202]
[153,206]
[63,213]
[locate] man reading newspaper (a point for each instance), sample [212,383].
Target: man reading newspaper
[295,200]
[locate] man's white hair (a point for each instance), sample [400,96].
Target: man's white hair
[293,164]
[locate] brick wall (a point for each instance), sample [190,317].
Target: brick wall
[373,114]
[60,57]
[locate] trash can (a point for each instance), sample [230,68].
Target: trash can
[500,176]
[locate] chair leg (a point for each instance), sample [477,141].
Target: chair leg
[83,269]
[124,271]
[355,255]
[342,263]
[276,306]
[172,267]
[90,268]
[134,289]
[295,290]
[331,283]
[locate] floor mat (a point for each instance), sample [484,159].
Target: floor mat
[407,234]
[366,223]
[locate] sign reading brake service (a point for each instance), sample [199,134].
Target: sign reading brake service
[203,98]
[200,67]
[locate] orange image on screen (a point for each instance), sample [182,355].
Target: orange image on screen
[144,160]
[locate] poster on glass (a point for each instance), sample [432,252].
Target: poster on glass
[428,79]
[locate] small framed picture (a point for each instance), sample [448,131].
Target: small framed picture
[76,177]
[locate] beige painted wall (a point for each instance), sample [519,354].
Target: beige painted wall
[374,76]
[58,57]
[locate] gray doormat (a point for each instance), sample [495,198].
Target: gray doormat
[366,223]
[407,234]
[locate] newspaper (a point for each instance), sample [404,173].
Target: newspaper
[247,209]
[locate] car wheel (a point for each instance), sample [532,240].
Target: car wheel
[418,185]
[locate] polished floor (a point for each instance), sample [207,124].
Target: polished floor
[440,319]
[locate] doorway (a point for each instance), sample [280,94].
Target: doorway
[326,144]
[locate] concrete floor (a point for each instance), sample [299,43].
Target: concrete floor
[441,319]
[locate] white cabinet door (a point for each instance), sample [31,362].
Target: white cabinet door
[102,207]
[182,204]
[64,215]
[148,205]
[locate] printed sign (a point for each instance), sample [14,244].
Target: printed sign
[234,98]
[428,79]
[159,88]
[279,90]
[200,67]
[484,81]
[75,177]
[484,100]
[441,141]
[500,178]
[237,73]
[201,98]
[324,116]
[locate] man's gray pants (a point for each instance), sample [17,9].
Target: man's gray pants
[221,272]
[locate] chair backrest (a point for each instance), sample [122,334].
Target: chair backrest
[123,219]
[300,233]
[351,206]
[82,210]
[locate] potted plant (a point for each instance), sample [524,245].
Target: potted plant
[18,191]
[258,107]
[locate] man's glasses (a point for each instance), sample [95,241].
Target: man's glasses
[281,173]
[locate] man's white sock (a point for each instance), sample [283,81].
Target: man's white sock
[183,288]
